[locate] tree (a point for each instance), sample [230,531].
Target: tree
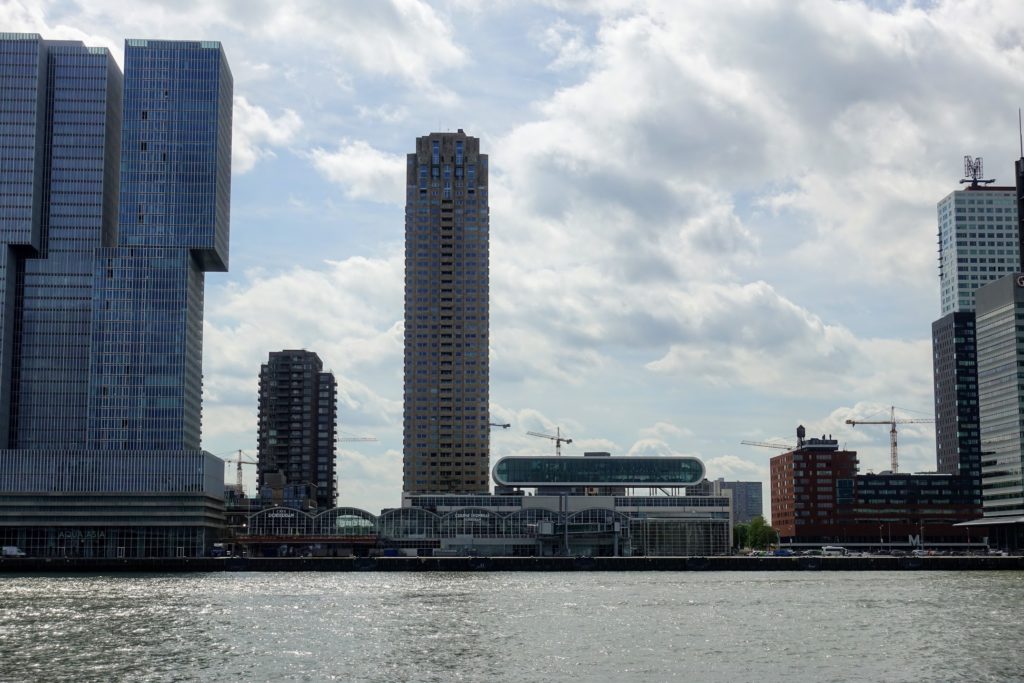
[760,534]
[740,535]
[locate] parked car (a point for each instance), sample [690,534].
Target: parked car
[12,551]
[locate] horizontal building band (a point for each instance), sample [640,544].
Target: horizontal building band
[124,472]
[628,471]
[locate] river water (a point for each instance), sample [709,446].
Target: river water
[641,626]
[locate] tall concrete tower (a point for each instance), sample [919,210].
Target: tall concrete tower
[446,420]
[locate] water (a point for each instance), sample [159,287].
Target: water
[722,626]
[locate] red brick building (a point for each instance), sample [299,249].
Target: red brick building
[818,498]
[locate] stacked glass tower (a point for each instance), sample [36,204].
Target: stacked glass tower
[146,379]
[113,203]
[446,439]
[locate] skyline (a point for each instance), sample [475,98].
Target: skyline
[673,269]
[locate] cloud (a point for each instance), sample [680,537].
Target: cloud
[383,113]
[363,172]
[402,38]
[734,468]
[255,132]
[567,42]
[750,336]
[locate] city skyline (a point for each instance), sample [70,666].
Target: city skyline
[673,268]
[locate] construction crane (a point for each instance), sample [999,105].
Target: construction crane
[892,422]
[238,470]
[558,439]
[503,426]
[766,444]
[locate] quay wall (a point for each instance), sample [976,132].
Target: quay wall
[530,564]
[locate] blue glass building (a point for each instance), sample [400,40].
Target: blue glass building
[60,122]
[146,375]
[114,202]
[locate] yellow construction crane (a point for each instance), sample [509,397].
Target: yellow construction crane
[892,422]
[558,439]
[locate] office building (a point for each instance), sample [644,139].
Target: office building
[978,240]
[1000,310]
[807,485]
[818,497]
[114,204]
[747,499]
[297,431]
[446,439]
[955,372]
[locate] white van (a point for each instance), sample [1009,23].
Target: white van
[834,551]
[12,551]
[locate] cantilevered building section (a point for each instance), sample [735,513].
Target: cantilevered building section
[446,433]
[298,411]
[114,202]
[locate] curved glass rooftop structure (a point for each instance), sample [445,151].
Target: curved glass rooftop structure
[630,471]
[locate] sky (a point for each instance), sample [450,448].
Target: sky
[710,221]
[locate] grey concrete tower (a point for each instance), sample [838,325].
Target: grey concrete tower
[446,440]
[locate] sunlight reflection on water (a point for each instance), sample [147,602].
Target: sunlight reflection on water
[729,626]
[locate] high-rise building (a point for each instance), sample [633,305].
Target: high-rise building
[446,440]
[298,411]
[747,500]
[978,241]
[954,366]
[114,202]
[1000,310]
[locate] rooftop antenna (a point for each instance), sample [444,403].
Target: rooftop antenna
[1020,131]
[974,170]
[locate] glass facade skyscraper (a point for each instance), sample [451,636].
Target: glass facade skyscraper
[146,374]
[1000,358]
[978,243]
[60,117]
[114,196]
[446,441]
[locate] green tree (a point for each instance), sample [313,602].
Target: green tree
[740,535]
[760,534]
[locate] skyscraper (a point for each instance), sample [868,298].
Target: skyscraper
[298,411]
[1000,310]
[978,242]
[114,204]
[446,424]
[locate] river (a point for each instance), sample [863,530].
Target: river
[640,626]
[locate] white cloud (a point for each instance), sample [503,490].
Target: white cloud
[363,172]
[734,468]
[567,42]
[383,113]
[255,132]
